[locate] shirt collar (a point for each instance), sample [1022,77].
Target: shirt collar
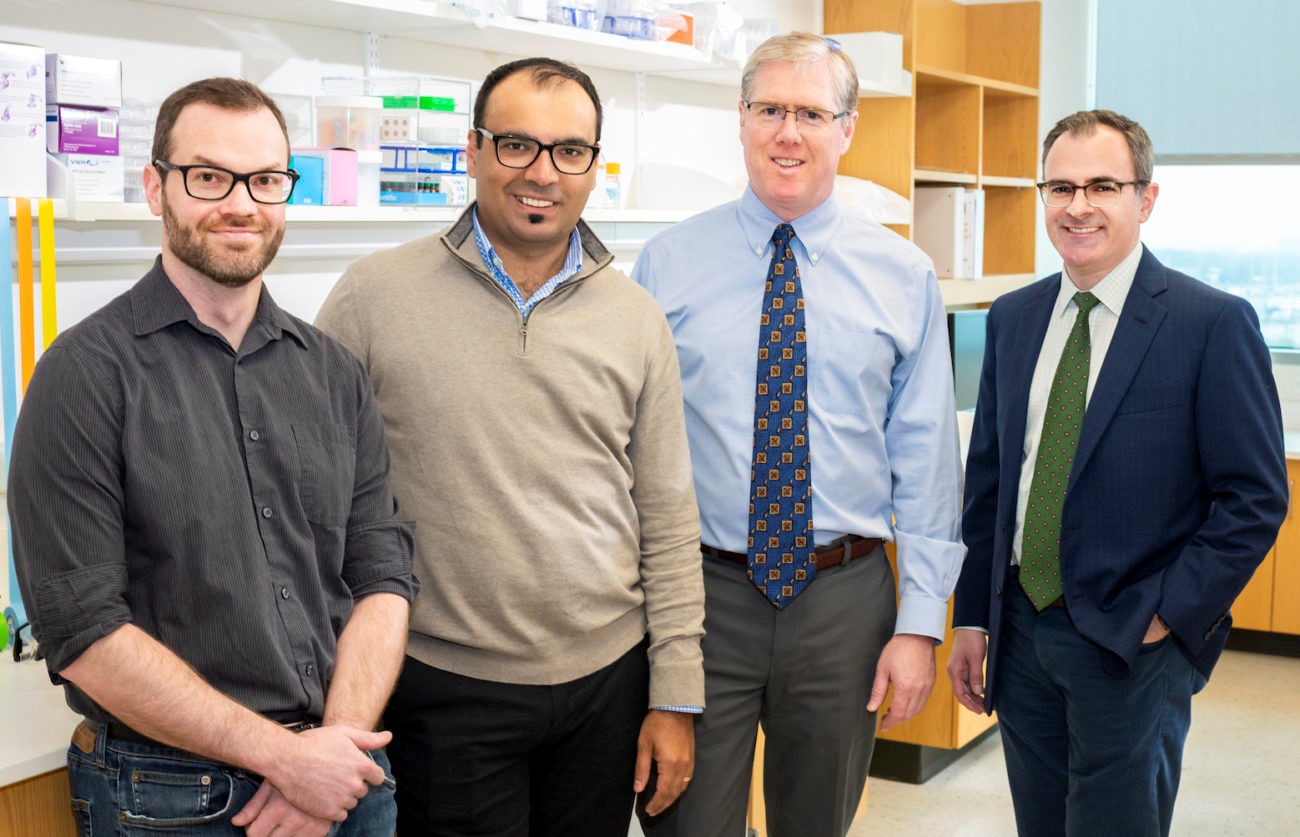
[1111,291]
[572,258]
[813,230]
[156,303]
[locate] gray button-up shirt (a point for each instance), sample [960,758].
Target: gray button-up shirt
[233,505]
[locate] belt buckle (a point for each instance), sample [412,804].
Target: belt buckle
[300,726]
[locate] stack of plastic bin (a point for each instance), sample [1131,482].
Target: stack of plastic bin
[135,142]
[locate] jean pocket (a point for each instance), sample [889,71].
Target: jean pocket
[81,815]
[157,793]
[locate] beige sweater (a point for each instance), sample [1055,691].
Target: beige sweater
[545,464]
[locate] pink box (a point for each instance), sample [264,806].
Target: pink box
[71,129]
[340,174]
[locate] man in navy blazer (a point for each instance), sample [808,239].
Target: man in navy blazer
[1175,493]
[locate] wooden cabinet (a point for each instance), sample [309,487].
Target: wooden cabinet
[1271,601]
[944,723]
[972,118]
[38,807]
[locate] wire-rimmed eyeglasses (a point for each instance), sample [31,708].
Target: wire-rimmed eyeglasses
[1058,193]
[772,115]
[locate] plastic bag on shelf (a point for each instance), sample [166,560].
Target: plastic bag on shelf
[477,12]
[884,206]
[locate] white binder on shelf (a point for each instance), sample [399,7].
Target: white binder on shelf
[948,225]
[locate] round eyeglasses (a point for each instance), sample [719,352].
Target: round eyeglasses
[772,115]
[213,183]
[1058,193]
[519,152]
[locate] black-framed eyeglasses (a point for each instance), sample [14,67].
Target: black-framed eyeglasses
[519,152]
[772,115]
[213,183]
[1058,193]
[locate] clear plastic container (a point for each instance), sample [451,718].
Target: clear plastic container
[580,14]
[348,122]
[635,19]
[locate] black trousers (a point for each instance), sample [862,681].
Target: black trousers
[476,758]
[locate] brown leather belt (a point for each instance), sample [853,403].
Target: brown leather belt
[842,552]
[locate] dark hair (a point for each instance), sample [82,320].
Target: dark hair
[1084,123]
[544,71]
[227,93]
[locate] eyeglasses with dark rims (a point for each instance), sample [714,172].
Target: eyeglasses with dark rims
[213,183]
[515,152]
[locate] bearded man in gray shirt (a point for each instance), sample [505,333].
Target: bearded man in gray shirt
[202,523]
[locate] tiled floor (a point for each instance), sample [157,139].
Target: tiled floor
[1241,769]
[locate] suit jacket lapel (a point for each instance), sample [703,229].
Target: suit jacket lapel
[1030,327]
[1138,323]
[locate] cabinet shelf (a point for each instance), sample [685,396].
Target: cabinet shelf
[970,293]
[992,86]
[956,178]
[1017,182]
[91,212]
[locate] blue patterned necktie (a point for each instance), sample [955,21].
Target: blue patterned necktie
[780,544]
[1040,548]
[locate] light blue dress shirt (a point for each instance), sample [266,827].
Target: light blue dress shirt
[882,421]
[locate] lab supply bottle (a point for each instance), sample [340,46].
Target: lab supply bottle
[613,185]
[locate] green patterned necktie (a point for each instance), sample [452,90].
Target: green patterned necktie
[779,553]
[1040,550]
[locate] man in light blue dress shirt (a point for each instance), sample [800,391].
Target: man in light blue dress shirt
[884,461]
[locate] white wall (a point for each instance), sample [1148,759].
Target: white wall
[1065,85]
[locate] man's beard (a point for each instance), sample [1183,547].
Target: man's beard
[232,269]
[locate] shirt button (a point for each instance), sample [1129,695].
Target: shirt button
[254,435]
[266,512]
[284,592]
[310,669]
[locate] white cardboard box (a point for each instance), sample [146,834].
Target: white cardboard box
[876,55]
[94,177]
[22,120]
[948,225]
[74,80]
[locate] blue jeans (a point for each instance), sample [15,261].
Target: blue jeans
[1088,753]
[132,788]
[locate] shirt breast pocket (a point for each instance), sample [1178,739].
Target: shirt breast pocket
[327,457]
[848,369]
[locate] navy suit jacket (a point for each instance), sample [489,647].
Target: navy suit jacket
[1179,482]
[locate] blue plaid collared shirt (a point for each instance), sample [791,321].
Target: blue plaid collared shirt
[572,264]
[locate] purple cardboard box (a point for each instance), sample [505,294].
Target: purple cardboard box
[71,129]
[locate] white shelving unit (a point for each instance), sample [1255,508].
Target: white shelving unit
[428,22]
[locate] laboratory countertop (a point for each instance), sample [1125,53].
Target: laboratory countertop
[37,723]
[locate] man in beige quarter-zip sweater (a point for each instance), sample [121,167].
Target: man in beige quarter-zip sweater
[532,405]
